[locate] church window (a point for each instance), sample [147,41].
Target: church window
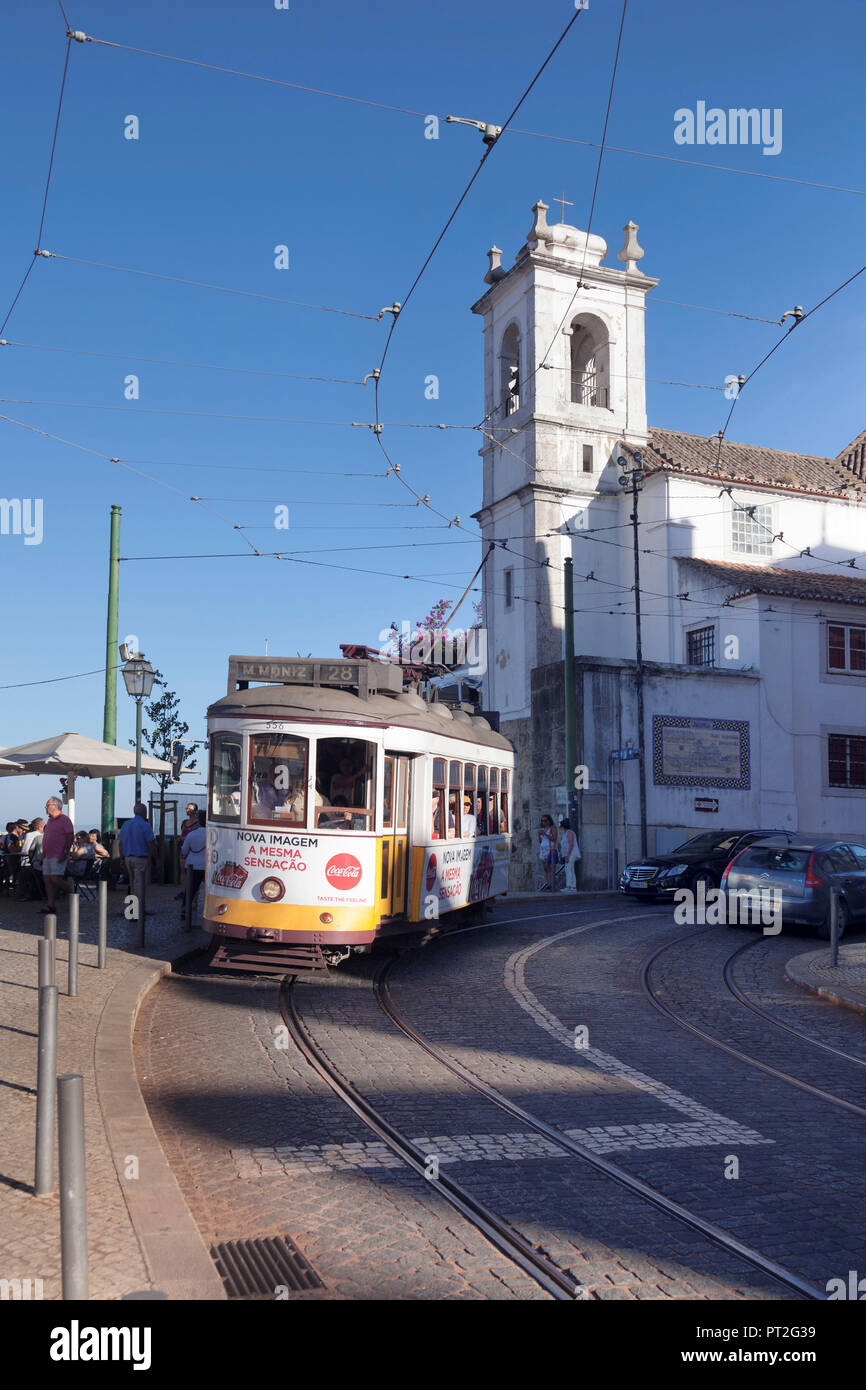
[752,530]
[587,458]
[590,363]
[509,361]
[509,588]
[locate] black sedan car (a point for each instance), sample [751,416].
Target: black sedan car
[701,859]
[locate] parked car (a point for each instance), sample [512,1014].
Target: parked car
[704,858]
[801,876]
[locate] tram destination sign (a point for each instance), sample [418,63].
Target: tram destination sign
[366,677]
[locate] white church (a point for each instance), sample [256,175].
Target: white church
[753,615]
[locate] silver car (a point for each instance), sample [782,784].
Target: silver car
[799,878]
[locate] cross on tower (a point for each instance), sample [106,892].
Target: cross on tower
[565,203]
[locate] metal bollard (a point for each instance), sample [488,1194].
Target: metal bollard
[46,1074]
[73,1191]
[51,931]
[74,906]
[102,927]
[45,949]
[834,926]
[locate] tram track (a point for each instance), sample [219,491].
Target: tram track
[653,999]
[636,1186]
[748,1003]
[504,1237]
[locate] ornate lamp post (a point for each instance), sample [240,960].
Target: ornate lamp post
[138,676]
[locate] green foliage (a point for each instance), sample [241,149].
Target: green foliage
[167,727]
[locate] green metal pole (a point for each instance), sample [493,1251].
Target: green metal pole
[109,724]
[570,700]
[138,750]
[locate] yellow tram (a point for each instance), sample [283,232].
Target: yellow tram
[342,809]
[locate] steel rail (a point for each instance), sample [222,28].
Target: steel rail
[748,1003]
[619,1175]
[653,999]
[507,1240]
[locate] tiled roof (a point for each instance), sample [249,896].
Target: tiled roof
[673,452]
[765,579]
[854,456]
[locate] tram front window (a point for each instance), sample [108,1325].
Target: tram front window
[278,780]
[225,791]
[345,778]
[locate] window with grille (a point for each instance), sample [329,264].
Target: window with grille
[846,648]
[846,754]
[701,646]
[752,530]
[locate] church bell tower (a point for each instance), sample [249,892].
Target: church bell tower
[564,391]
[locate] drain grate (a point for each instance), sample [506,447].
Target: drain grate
[262,1268]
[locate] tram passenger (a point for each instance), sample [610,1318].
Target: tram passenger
[480,816]
[268,795]
[470,825]
[344,783]
[436,833]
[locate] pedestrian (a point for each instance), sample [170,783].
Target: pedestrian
[569,853]
[57,840]
[138,847]
[547,851]
[192,853]
[185,827]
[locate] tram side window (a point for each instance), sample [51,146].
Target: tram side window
[493,803]
[503,808]
[437,809]
[455,800]
[470,824]
[278,780]
[388,796]
[345,782]
[481,801]
[225,788]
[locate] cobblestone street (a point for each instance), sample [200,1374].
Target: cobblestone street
[547,1009]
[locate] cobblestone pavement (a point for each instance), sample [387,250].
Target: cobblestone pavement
[229,1103]
[30,1225]
[799,1198]
[261,1146]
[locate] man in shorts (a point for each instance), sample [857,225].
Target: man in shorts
[57,838]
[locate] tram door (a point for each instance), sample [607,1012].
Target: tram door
[395,822]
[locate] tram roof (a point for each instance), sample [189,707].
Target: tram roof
[303,703]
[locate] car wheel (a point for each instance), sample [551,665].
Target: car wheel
[843,921]
[706,879]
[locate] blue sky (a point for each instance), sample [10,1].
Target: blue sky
[226,169]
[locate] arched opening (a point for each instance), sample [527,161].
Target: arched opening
[509,369]
[590,362]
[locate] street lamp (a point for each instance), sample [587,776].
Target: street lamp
[138,677]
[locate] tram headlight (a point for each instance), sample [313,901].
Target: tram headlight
[326,917]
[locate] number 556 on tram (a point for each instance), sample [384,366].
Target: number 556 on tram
[342,809]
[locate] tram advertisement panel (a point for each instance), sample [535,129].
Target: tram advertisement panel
[266,866]
[461,874]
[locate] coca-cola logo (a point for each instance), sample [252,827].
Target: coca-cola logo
[343,871]
[431,872]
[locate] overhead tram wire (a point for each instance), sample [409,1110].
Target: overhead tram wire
[392,467]
[512,130]
[47,187]
[204,285]
[168,362]
[798,321]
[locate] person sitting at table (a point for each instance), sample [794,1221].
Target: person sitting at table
[11,840]
[80,855]
[99,850]
[29,882]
